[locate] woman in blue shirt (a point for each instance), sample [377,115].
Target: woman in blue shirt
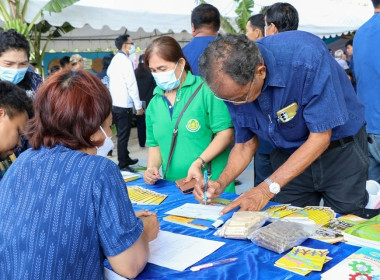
[64,205]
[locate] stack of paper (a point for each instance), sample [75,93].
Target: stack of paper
[144,196]
[332,232]
[363,264]
[366,234]
[280,211]
[130,176]
[178,252]
[307,215]
[203,215]
[303,260]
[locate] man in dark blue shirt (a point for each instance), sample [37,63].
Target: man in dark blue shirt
[205,24]
[288,90]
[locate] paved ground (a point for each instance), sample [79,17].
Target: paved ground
[246,178]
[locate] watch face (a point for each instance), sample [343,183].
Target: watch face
[274,188]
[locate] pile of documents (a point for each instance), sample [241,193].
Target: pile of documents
[332,232]
[199,216]
[303,260]
[365,234]
[144,196]
[315,214]
[130,176]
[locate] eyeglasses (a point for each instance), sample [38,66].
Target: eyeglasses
[129,43]
[238,100]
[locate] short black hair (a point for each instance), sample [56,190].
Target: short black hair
[283,15]
[12,40]
[64,61]
[119,41]
[14,100]
[349,43]
[106,61]
[376,3]
[206,15]
[257,21]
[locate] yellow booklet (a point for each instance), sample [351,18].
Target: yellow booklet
[183,221]
[144,196]
[320,215]
[303,260]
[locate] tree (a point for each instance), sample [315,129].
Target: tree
[243,12]
[14,18]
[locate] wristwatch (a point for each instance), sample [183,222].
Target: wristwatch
[273,186]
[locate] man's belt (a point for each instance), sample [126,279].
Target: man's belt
[340,142]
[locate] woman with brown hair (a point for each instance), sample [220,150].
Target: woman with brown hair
[205,129]
[64,204]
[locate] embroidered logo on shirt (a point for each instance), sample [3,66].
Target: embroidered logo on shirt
[193,125]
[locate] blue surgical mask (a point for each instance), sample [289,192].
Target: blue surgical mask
[106,147]
[167,80]
[12,75]
[132,50]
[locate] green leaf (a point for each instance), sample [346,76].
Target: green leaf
[56,6]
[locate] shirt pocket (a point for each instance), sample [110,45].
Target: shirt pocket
[295,129]
[193,126]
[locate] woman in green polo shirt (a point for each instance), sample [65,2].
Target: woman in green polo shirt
[205,129]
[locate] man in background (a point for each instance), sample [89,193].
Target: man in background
[77,62]
[350,53]
[339,58]
[205,24]
[65,62]
[367,73]
[125,96]
[280,17]
[14,62]
[255,27]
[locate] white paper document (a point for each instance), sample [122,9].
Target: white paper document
[178,252]
[197,211]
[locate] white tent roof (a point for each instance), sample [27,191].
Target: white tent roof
[98,22]
[322,17]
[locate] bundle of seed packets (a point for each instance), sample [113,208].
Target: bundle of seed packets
[332,232]
[144,196]
[303,260]
[318,214]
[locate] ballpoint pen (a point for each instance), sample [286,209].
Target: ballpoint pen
[205,180]
[207,265]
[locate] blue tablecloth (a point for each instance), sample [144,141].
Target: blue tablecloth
[253,262]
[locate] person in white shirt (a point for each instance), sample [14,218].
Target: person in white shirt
[340,59]
[125,96]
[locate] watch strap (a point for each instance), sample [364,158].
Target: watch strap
[268,181]
[203,162]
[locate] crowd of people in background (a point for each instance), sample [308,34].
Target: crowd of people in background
[309,120]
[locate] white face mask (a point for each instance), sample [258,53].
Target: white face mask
[167,80]
[107,145]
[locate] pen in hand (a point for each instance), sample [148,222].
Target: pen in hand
[205,180]
[207,265]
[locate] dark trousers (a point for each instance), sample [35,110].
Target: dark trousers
[338,176]
[262,166]
[141,129]
[122,118]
